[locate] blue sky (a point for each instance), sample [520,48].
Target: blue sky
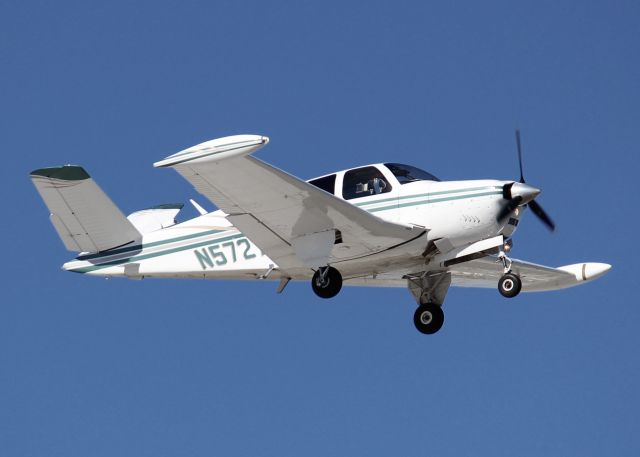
[195,368]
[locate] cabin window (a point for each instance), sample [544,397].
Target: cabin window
[362,182]
[406,173]
[327,183]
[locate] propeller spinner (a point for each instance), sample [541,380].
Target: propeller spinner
[521,194]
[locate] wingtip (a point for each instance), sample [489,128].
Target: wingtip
[594,270]
[587,271]
[216,150]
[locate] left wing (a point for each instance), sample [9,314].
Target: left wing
[485,273]
[296,224]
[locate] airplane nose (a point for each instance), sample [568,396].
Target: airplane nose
[525,191]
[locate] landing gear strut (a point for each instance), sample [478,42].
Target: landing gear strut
[509,284]
[428,318]
[326,282]
[429,290]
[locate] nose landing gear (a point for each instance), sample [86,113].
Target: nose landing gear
[510,283]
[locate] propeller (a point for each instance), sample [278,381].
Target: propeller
[519,146]
[544,217]
[521,194]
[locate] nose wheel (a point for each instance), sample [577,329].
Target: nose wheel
[509,285]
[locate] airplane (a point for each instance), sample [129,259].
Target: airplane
[381,225]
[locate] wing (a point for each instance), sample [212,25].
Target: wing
[486,272]
[296,224]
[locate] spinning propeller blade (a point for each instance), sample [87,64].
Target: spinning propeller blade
[508,207]
[517,194]
[544,218]
[519,146]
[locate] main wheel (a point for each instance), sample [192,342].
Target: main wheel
[509,285]
[428,318]
[326,282]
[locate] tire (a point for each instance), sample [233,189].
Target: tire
[331,286]
[428,318]
[509,285]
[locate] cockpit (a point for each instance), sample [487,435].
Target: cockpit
[371,180]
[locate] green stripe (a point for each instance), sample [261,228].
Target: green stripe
[382,200]
[427,202]
[457,191]
[218,146]
[203,155]
[153,255]
[140,247]
[443,192]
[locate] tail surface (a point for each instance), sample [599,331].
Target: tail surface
[83,215]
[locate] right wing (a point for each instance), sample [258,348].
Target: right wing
[293,222]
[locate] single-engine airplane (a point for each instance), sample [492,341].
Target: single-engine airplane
[385,225]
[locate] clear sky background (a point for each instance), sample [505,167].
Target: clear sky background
[90,367]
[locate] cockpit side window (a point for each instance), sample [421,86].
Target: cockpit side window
[406,173]
[326,183]
[362,182]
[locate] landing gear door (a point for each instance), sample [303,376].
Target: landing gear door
[372,190]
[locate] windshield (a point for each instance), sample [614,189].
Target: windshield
[406,173]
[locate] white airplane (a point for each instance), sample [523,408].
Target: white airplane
[385,225]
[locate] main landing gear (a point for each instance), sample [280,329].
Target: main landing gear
[326,282]
[510,283]
[429,290]
[428,318]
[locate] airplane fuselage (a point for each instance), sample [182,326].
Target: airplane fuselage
[208,246]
